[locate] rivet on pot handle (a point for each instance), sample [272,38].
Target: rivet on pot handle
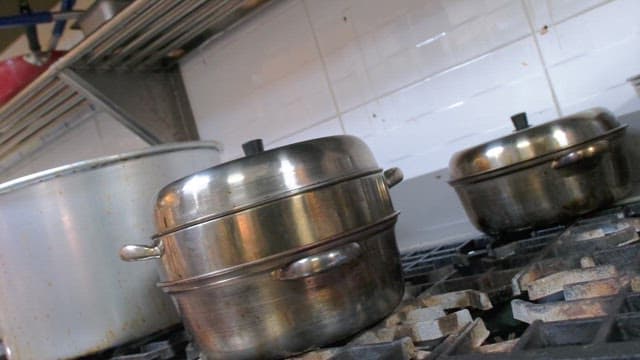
[141,252]
[318,263]
[590,151]
[393,176]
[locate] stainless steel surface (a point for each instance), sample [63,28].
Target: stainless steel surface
[260,315]
[99,13]
[141,252]
[589,151]
[153,105]
[135,21]
[295,244]
[64,105]
[265,205]
[48,91]
[174,43]
[548,189]
[103,50]
[194,23]
[261,178]
[318,263]
[393,176]
[48,134]
[171,26]
[532,143]
[52,89]
[154,29]
[269,230]
[63,291]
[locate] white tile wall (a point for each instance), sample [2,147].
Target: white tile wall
[417,79]
[590,54]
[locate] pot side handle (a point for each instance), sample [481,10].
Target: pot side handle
[141,252]
[393,176]
[587,152]
[318,263]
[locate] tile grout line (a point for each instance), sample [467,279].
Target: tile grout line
[554,96]
[374,99]
[297,131]
[581,12]
[358,42]
[492,50]
[434,75]
[325,70]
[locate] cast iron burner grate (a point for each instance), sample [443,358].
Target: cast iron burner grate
[169,344]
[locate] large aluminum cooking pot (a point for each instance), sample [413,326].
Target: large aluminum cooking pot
[281,251]
[64,292]
[543,175]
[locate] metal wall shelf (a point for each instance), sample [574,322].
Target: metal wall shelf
[128,67]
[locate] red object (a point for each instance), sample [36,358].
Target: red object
[17,73]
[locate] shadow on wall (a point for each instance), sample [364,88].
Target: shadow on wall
[431,213]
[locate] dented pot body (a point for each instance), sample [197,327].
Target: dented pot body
[64,292]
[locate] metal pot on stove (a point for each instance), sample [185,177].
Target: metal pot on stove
[543,175]
[280,251]
[64,293]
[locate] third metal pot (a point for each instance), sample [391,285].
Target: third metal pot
[543,175]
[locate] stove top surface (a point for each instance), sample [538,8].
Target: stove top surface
[558,293]
[561,293]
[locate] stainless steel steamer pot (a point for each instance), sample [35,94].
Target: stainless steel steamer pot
[543,175]
[64,292]
[280,251]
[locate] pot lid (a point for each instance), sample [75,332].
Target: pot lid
[527,143]
[259,177]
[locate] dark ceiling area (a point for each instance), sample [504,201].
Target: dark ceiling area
[10,7]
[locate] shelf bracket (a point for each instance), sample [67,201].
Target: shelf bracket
[154,105]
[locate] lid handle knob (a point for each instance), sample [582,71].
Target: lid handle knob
[253,147]
[520,121]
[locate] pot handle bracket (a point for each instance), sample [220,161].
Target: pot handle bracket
[393,176]
[141,252]
[587,152]
[318,263]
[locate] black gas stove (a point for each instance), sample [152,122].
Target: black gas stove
[558,293]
